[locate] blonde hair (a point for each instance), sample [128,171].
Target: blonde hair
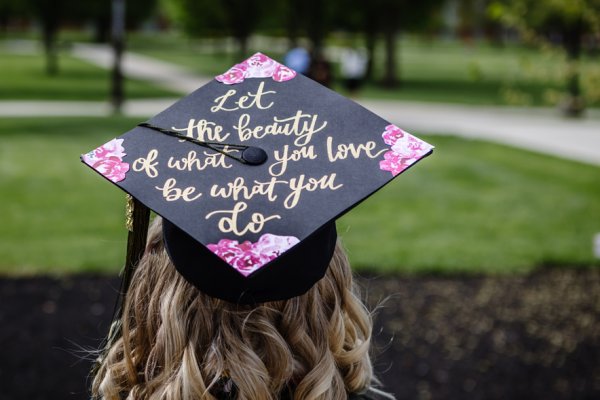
[178,343]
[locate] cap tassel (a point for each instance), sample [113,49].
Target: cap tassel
[137,219]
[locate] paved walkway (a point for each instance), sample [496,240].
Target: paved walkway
[537,129]
[160,73]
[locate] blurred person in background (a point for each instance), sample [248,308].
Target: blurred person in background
[353,67]
[320,69]
[298,59]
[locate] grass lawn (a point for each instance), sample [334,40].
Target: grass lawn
[23,77]
[436,71]
[471,207]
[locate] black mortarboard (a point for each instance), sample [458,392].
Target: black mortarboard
[250,172]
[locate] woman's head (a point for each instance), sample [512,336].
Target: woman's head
[179,343]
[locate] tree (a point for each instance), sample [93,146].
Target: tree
[10,9]
[49,13]
[359,17]
[237,18]
[99,13]
[387,18]
[293,12]
[537,20]
[52,14]
[201,17]
[242,18]
[392,17]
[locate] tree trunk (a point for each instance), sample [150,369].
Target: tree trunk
[389,77]
[574,105]
[370,40]
[118,45]
[102,29]
[293,16]
[49,34]
[243,48]
[4,24]
[314,27]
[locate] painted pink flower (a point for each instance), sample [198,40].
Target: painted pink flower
[411,147]
[234,75]
[393,162]
[274,245]
[247,257]
[108,160]
[260,66]
[283,73]
[247,262]
[257,66]
[112,168]
[226,249]
[391,134]
[114,148]
[405,150]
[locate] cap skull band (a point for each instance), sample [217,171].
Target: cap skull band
[250,172]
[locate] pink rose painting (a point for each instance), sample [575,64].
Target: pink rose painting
[247,257]
[234,75]
[257,66]
[405,150]
[283,73]
[393,162]
[391,134]
[260,66]
[108,160]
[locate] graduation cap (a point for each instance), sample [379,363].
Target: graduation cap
[250,172]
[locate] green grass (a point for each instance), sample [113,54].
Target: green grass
[471,207]
[23,77]
[478,74]
[192,54]
[57,216]
[479,207]
[433,71]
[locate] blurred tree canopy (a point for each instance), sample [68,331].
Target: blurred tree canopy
[51,15]
[550,22]
[395,16]
[313,19]
[99,13]
[212,18]
[10,9]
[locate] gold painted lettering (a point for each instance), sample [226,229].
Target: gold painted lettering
[244,133]
[301,184]
[301,125]
[244,102]
[147,164]
[203,130]
[278,168]
[221,101]
[191,162]
[172,193]
[343,151]
[238,189]
[229,223]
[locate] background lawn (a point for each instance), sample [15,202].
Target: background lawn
[23,77]
[470,207]
[435,70]
[430,70]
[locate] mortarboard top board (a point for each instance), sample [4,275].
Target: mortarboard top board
[250,172]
